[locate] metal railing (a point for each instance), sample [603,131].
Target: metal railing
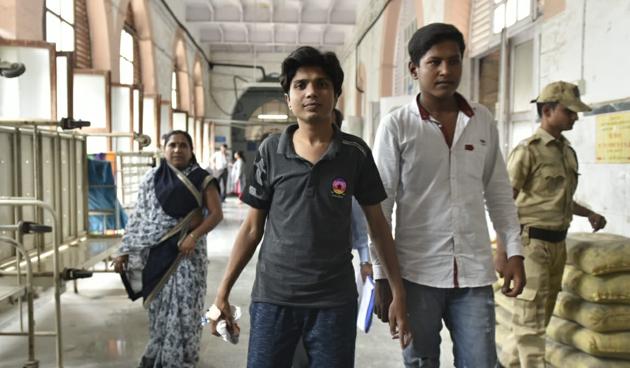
[46,175]
[131,168]
[31,362]
[17,201]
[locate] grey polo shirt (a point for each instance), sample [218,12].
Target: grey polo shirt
[305,256]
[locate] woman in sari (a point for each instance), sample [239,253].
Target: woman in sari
[163,256]
[238,173]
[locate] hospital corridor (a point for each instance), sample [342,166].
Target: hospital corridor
[314,183]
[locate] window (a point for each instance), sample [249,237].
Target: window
[129,52]
[509,12]
[522,76]
[60,24]
[126,57]
[174,90]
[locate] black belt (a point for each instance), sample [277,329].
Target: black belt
[553,236]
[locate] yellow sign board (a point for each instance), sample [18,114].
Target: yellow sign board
[612,138]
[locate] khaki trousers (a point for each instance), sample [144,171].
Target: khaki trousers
[531,311]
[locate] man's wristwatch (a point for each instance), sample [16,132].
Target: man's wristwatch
[366,263]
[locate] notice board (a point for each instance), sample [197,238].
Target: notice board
[612,138]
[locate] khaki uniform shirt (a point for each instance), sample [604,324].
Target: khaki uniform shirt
[545,172]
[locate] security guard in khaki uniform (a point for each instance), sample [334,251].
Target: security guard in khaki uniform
[543,170]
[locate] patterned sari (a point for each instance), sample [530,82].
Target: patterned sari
[173,286]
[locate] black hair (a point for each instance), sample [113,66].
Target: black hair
[432,34]
[309,56]
[338,117]
[166,137]
[241,155]
[541,105]
[224,145]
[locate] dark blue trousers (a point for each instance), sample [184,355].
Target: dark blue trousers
[329,335]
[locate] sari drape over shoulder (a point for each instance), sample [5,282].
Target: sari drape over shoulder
[180,196]
[173,286]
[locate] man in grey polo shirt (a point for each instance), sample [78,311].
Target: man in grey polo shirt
[300,192]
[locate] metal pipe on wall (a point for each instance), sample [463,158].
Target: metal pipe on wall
[503,115]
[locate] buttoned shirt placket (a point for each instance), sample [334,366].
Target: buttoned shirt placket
[460,125]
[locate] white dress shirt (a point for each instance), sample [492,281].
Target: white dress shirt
[440,194]
[219,161]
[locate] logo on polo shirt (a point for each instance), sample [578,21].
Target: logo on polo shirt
[339,187]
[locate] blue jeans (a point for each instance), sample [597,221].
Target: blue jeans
[329,335]
[469,316]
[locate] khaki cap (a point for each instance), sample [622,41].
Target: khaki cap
[565,93]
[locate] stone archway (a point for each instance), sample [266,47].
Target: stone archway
[106,23]
[180,66]
[198,92]
[388,49]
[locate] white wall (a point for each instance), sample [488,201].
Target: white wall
[597,62]
[596,58]
[605,188]
[561,45]
[433,11]
[361,123]
[607,52]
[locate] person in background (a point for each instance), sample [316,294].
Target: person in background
[162,257]
[544,173]
[441,166]
[359,225]
[300,196]
[238,173]
[219,164]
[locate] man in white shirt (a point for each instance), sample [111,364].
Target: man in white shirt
[440,162]
[219,166]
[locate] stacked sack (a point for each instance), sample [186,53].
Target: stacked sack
[503,313]
[591,322]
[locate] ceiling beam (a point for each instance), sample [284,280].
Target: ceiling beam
[333,3]
[239,4]
[211,8]
[241,43]
[299,24]
[222,33]
[319,24]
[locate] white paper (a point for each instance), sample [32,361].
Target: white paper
[366,305]
[358,281]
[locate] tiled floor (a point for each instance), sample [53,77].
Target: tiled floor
[102,328]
